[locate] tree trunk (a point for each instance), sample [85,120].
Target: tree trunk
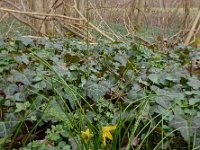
[187,4]
[130,16]
[38,6]
[49,25]
[66,7]
[81,5]
[141,6]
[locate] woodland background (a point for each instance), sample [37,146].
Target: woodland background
[113,19]
[100,74]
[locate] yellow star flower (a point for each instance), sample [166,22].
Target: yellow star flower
[106,133]
[86,135]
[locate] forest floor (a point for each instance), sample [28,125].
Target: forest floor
[67,94]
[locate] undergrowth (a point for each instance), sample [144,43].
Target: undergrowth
[58,94]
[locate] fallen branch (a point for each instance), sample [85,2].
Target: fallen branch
[30,15]
[192,31]
[39,14]
[144,41]
[25,22]
[103,20]
[92,25]
[70,29]
[4,16]
[33,37]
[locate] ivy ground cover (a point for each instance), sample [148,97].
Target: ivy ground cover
[65,94]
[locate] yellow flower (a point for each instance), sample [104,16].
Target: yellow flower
[87,135]
[106,133]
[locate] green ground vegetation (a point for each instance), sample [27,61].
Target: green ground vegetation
[64,94]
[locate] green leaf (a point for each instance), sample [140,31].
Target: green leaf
[172,78]
[58,45]
[136,92]
[172,94]
[40,85]
[194,82]
[193,101]
[163,101]
[181,124]
[17,97]
[23,58]
[97,90]
[6,128]
[122,59]
[22,106]
[10,90]
[154,78]
[61,69]
[71,58]
[187,127]
[26,41]
[72,76]
[57,114]
[19,77]
[83,81]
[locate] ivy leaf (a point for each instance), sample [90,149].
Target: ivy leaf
[193,101]
[17,97]
[40,85]
[172,78]
[22,106]
[135,92]
[58,45]
[26,41]
[23,58]
[172,94]
[194,82]
[6,128]
[181,124]
[71,58]
[72,76]
[187,128]
[163,101]
[122,59]
[19,77]
[1,42]
[10,90]
[154,78]
[97,90]
[61,69]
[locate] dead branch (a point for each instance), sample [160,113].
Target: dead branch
[40,14]
[32,16]
[92,25]
[97,12]
[4,16]
[24,22]
[192,31]
[70,29]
